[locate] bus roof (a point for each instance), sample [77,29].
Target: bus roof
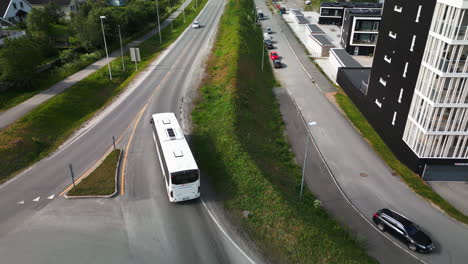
[175,148]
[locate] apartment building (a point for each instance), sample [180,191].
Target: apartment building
[360,30]
[331,13]
[416,94]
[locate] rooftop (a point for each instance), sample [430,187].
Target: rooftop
[314,29]
[345,59]
[302,20]
[322,39]
[351,5]
[44,2]
[365,11]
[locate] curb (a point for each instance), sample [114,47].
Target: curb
[112,195]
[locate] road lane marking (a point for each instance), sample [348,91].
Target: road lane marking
[22,202]
[36,199]
[51,197]
[224,232]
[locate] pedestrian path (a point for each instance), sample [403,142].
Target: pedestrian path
[20,110]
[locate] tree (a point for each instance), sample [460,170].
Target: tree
[39,24]
[19,59]
[54,13]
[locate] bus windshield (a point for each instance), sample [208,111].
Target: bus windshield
[183,177]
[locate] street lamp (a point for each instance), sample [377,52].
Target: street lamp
[105,46]
[310,124]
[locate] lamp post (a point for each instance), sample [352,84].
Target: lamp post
[121,50]
[105,46]
[159,26]
[310,124]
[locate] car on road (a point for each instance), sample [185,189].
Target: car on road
[277,64]
[266,36]
[196,24]
[274,55]
[403,229]
[268,30]
[268,44]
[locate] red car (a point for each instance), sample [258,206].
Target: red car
[274,55]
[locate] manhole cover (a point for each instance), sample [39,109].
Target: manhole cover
[363,174]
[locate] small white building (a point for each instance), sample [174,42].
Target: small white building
[14,11]
[319,45]
[340,58]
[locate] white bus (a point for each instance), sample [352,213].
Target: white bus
[178,166]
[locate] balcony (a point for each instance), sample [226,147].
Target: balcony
[452,66]
[460,31]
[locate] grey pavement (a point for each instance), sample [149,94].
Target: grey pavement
[11,115]
[367,182]
[455,192]
[142,226]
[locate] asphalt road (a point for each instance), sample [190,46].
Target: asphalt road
[347,156]
[141,226]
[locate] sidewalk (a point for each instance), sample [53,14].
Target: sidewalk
[18,111]
[341,154]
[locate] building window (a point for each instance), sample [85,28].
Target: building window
[383,82]
[379,104]
[418,14]
[401,95]
[405,70]
[21,4]
[387,59]
[398,9]
[392,35]
[394,118]
[412,43]
[14,6]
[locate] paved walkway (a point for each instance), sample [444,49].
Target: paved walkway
[18,111]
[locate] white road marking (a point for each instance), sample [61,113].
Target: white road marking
[224,232]
[37,199]
[51,197]
[22,202]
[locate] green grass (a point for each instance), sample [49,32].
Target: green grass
[101,181]
[60,33]
[46,79]
[42,130]
[240,145]
[413,180]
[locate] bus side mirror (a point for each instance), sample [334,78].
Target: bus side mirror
[151,121]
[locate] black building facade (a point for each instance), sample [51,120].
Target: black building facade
[394,73]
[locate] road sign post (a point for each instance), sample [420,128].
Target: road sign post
[72,176]
[135,56]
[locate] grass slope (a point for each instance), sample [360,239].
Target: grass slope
[240,143]
[412,180]
[42,130]
[101,181]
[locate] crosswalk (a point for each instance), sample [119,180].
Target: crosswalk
[37,199]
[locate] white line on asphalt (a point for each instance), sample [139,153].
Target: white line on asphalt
[22,202]
[224,232]
[36,199]
[51,197]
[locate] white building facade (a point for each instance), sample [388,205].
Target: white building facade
[437,124]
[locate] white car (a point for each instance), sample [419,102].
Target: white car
[307,2]
[269,31]
[196,24]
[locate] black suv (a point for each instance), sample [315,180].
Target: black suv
[403,229]
[277,64]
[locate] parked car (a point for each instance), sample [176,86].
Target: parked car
[307,2]
[277,64]
[268,30]
[268,44]
[266,36]
[196,24]
[403,229]
[274,55]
